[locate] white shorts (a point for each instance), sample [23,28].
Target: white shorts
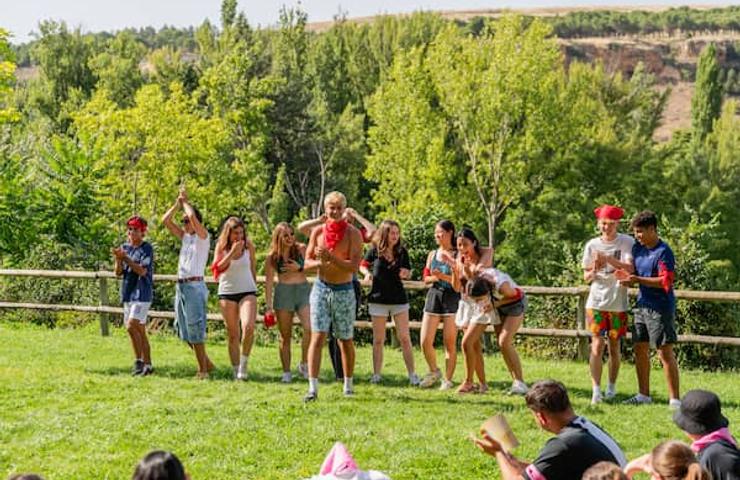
[470,313]
[383,310]
[136,310]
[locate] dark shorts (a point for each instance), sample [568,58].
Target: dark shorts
[658,328]
[513,309]
[235,297]
[441,301]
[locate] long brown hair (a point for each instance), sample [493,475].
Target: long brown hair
[381,241]
[224,238]
[277,248]
[674,460]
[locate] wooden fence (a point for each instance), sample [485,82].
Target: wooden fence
[105,309]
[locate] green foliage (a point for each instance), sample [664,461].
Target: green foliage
[7,79]
[707,100]
[117,68]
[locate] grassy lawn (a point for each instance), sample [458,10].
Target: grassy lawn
[70,410]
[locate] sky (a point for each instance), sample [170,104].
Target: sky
[21,17]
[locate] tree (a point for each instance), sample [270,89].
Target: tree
[501,93]
[117,68]
[707,100]
[7,79]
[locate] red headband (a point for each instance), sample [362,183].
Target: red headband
[609,212]
[137,222]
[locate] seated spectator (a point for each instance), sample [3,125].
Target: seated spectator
[160,465]
[578,443]
[604,471]
[25,476]
[669,461]
[700,417]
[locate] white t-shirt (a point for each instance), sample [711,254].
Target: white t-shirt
[606,292]
[497,278]
[238,277]
[193,256]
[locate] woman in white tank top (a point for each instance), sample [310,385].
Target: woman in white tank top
[234,267]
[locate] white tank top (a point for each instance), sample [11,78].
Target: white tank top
[238,277]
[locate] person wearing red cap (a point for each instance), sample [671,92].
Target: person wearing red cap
[134,260]
[607,304]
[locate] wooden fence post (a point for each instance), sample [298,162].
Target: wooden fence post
[583,346]
[103,301]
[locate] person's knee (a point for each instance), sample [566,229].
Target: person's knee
[505,341]
[665,353]
[405,341]
[378,340]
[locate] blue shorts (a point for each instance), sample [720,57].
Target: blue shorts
[333,306]
[190,311]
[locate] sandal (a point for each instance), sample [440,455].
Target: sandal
[466,387]
[483,388]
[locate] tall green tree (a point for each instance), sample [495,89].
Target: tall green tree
[707,100]
[7,79]
[117,67]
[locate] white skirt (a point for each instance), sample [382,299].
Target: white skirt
[470,313]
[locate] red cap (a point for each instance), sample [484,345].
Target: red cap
[137,222]
[609,212]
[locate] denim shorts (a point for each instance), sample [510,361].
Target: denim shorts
[190,311]
[333,306]
[291,296]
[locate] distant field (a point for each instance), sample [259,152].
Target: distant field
[70,410]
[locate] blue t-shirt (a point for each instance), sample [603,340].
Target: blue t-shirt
[135,288]
[655,262]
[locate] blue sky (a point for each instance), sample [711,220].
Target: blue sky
[22,16]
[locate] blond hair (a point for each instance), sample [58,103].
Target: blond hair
[604,471]
[335,197]
[277,246]
[674,460]
[224,238]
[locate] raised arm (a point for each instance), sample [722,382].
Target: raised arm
[169,223]
[366,224]
[306,227]
[200,230]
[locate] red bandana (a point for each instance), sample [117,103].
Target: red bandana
[334,233]
[609,212]
[137,222]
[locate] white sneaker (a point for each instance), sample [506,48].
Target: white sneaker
[674,404]
[241,374]
[303,369]
[430,379]
[376,378]
[414,380]
[518,388]
[446,385]
[610,394]
[595,398]
[287,377]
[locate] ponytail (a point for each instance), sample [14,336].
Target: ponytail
[696,472]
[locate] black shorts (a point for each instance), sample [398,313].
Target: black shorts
[441,301]
[513,309]
[658,328]
[235,297]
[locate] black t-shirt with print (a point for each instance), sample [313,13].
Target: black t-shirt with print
[577,447]
[387,286]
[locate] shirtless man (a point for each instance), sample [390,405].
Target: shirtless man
[335,248]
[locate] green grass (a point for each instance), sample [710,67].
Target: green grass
[70,409]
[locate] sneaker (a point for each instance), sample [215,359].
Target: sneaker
[138,368]
[638,400]
[482,388]
[595,398]
[376,378]
[674,404]
[303,370]
[430,379]
[414,380]
[287,377]
[241,374]
[348,392]
[446,385]
[202,375]
[610,394]
[518,388]
[310,397]
[147,370]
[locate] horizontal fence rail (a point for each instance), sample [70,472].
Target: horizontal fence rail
[580,292]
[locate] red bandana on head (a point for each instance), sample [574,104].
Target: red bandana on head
[609,212]
[334,233]
[137,222]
